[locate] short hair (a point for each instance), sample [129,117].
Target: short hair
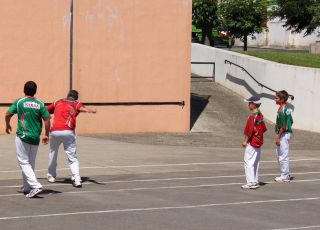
[257,105]
[283,95]
[30,88]
[73,94]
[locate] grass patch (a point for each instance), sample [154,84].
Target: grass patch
[290,58]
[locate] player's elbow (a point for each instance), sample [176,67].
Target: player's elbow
[8,115]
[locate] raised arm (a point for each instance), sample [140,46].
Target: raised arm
[87,110]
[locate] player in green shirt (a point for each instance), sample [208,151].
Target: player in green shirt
[30,113]
[283,130]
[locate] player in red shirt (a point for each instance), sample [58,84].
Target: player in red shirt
[253,131]
[63,131]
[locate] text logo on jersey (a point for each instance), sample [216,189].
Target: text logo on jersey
[289,111]
[30,104]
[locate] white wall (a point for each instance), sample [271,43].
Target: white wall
[302,82]
[278,37]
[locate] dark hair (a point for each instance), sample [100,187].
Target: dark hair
[283,95]
[73,94]
[30,88]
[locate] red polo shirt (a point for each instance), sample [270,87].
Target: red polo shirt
[254,129]
[65,112]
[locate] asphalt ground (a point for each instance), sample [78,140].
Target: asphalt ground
[169,181]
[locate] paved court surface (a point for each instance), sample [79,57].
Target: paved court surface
[135,186]
[168,181]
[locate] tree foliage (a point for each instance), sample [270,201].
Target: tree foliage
[299,15]
[204,16]
[242,18]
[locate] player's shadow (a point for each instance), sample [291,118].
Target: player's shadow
[84,179]
[50,191]
[262,183]
[265,183]
[44,192]
[88,179]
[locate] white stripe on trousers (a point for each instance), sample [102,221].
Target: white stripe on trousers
[251,164]
[26,154]
[283,155]
[68,139]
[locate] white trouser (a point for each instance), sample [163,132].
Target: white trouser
[283,155]
[251,164]
[26,154]
[68,139]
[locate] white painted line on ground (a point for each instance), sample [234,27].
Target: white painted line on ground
[9,195]
[194,178]
[306,227]
[162,165]
[159,208]
[137,189]
[155,180]
[177,187]
[162,187]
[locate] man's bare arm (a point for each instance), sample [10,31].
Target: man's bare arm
[87,110]
[45,137]
[8,126]
[281,131]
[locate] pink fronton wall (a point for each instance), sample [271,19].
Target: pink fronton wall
[124,51]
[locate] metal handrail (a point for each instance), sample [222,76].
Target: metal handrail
[206,63]
[179,103]
[259,83]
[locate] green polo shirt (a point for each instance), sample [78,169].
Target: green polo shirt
[284,119]
[30,113]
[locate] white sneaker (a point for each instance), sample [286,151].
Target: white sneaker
[77,184]
[280,179]
[51,179]
[250,186]
[34,192]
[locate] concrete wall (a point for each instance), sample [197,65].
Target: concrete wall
[278,37]
[34,44]
[124,51]
[303,83]
[315,48]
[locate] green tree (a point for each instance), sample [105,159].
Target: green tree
[204,16]
[299,15]
[242,18]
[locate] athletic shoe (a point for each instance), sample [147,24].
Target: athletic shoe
[51,179]
[77,184]
[34,192]
[280,179]
[250,186]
